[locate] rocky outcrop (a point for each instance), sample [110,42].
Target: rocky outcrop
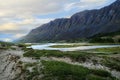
[81,25]
[13,66]
[10,66]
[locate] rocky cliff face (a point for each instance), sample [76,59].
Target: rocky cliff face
[81,25]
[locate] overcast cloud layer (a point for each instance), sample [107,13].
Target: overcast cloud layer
[18,17]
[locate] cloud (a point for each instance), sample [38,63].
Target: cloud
[88,4]
[18,35]
[30,7]
[22,26]
[8,26]
[19,28]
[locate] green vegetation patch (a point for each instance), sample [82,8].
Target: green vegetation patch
[71,45]
[6,45]
[113,63]
[94,77]
[55,70]
[74,55]
[23,45]
[106,38]
[108,34]
[36,71]
[113,49]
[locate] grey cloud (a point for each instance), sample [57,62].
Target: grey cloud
[14,31]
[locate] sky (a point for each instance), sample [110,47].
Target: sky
[18,17]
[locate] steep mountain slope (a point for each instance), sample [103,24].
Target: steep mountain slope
[81,25]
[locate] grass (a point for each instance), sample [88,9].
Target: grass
[31,75]
[78,45]
[110,57]
[113,63]
[114,49]
[70,45]
[55,70]
[106,38]
[74,55]
[94,77]
[108,60]
[108,34]
[22,45]
[29,65]
[6,45]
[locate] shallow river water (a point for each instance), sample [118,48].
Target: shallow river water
[47,47]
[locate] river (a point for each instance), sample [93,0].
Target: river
[47,47]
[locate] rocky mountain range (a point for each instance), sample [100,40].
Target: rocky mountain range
[84,24]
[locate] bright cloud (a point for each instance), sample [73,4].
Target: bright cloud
[22,26]
[88,4]
[18,17]
[8,26]
[19,35]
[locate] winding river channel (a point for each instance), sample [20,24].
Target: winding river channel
[47,46]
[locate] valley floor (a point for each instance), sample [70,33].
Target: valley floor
[28,64]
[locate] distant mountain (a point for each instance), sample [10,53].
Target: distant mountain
[84,24]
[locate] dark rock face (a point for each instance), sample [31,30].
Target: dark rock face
[81,25]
